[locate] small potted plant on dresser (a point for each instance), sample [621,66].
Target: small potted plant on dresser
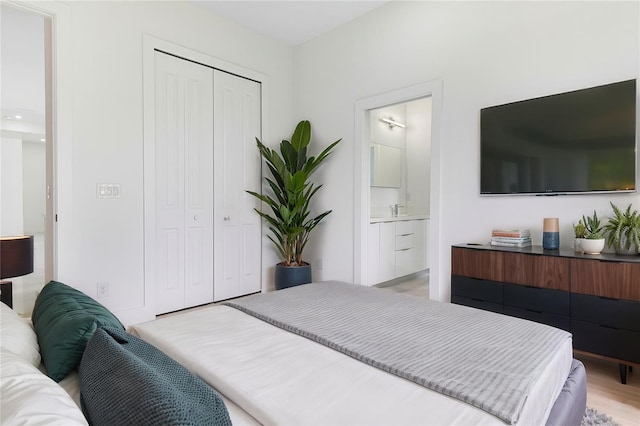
[290,220]
[593,242]
[623,230]
[580,233]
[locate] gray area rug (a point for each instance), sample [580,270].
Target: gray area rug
[595,418]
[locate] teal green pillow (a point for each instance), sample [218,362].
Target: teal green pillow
[65,319]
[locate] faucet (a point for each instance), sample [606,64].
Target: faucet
[395,209]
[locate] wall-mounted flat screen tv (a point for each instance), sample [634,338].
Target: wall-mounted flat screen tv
[569,143]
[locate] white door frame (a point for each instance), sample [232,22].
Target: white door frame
[149,45]
[362,203]
[59,259]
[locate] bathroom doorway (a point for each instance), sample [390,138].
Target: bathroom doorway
[409,191]
[26,149]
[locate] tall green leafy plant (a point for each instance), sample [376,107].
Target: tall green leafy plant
[623,229]
[290,219]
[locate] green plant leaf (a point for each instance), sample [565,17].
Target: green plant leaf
[301,135]
[622,230]
[291,192]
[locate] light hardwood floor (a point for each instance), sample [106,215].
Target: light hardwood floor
[605,393]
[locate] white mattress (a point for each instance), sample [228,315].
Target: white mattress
[277,377]
[71,384]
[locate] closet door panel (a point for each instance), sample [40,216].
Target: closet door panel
[237,169]
[184,183]
[169,150]
[198,184]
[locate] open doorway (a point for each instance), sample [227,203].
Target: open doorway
[375,202]
[26,151]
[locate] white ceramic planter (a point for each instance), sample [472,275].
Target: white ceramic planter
[631,251]
[592,246]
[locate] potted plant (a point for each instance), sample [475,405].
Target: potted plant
[623,230]
[580,233]
[593,241]
[290,219]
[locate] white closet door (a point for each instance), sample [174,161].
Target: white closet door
[184,183]
[237,169]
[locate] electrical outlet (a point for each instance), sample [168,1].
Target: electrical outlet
[103,289]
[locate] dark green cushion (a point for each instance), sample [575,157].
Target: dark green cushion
[65,319]
[126,381]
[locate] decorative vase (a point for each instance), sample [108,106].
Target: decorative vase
[592,246]
[578,245]
[291,276]
[550,233]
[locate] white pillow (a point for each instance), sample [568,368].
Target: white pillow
[17,335]
[30,397]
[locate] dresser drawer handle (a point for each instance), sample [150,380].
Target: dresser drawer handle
[608,298]
[608,326]
[533,287]
[609,261]
[477,300]
[535,312]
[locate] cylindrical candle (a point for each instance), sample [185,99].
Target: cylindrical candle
[550,233]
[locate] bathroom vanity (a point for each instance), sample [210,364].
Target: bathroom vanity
[397,247]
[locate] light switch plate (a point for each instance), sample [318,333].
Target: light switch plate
[108,190]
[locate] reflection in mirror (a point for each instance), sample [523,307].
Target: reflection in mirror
[386,166]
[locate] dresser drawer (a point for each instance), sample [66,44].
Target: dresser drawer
[623,314]
[558,321]
[612,342]
[477,303]
[474,288]
[537,299]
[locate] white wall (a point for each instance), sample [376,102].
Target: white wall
[418,156]
[486,53]
[101,66]
[11,197]
[34,186]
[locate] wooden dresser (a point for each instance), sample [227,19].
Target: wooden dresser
[595,297]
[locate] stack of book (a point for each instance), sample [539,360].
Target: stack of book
[511,237]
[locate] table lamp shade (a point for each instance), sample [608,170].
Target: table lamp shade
[16,256]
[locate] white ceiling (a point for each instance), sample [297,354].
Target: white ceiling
[292,22]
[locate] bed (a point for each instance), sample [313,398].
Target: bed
[73,363]
[289,357]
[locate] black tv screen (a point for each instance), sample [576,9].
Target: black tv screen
[573,142]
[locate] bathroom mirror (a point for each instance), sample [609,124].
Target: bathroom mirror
[386,166]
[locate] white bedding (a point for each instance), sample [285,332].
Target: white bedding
[281,378]
[71,384]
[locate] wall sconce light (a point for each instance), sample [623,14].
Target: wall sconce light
[392,123]
[16,259]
